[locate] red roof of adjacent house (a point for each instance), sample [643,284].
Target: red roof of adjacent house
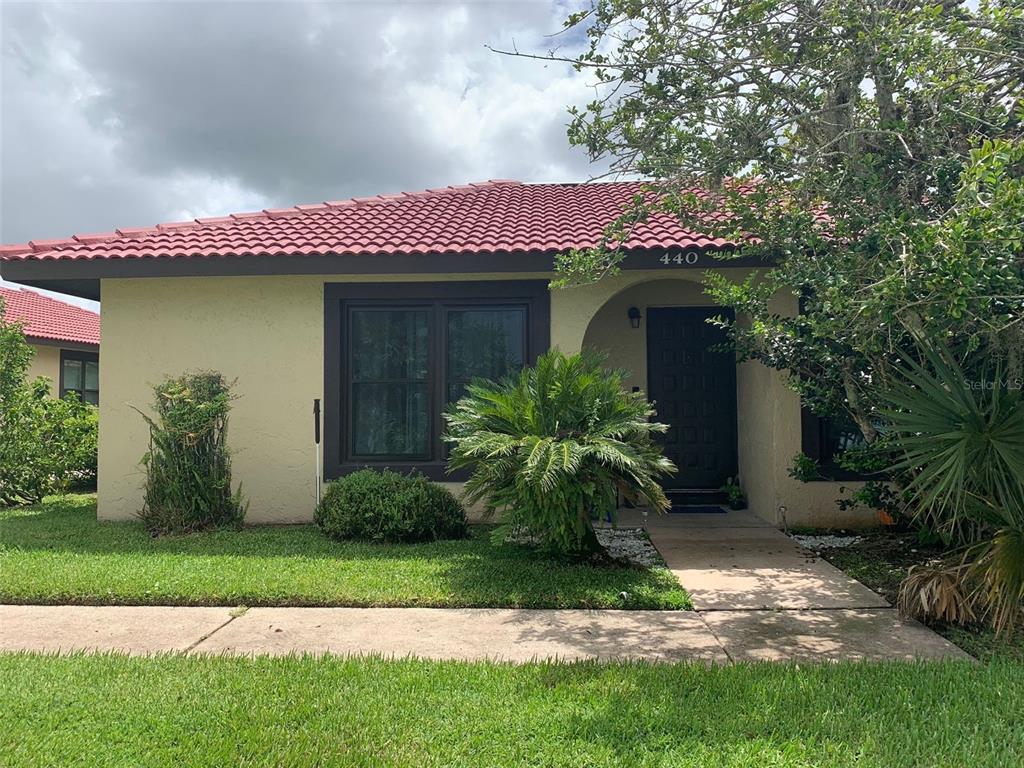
[46,318]
[489,217]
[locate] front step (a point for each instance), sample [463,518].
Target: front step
[699,497]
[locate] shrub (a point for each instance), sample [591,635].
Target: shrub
[69,436]
[188,467]
[47,445]
[388,507]
[958,433]
[553,447]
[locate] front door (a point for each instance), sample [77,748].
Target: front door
[694,391]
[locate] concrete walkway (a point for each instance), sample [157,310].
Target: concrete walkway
[766,599]
[438,633]
[758,597]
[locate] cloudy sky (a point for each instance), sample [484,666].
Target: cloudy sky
[127,114]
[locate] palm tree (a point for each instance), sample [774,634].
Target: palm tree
[960,441]
[553,447]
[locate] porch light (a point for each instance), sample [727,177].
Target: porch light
[634,317]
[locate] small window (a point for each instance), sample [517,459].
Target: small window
[824,439]
[80,373]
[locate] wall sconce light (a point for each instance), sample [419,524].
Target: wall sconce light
[634,317]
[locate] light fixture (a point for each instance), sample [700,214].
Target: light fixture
[634,317]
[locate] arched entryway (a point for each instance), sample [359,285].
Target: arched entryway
[658,330]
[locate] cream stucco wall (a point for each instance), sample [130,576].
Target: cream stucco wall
[267,334]
[46,363]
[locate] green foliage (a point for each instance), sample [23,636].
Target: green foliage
[734,493]
[48,445]
[188,467]
[384,506]
[959,437]
[554,446]
[870,150]
[805,469]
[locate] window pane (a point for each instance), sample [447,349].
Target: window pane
[72,374]
[91,396]
[389,344]
[390,419]
[92,375]
[483,343]
[839,434]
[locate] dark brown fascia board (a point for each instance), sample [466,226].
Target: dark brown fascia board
[77,346]
[80,277]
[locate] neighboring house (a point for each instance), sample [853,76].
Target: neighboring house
[384,307]
[65,338]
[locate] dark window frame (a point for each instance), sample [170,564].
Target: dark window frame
[813,429]
[532,296]
[84,357]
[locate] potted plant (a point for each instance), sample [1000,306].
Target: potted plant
[734,493]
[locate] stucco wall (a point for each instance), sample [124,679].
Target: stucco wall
[46,363]
[267,334]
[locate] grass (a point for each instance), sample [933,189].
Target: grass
[881,559]
[57,552]
[299,711]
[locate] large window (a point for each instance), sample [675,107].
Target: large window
[398,354]
[80,373]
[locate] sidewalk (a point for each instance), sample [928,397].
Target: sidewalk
[472,634]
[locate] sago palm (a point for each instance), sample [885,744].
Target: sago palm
[553,448]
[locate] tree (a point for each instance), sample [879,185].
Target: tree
[869,150]
[46,445]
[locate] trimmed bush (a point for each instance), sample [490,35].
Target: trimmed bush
[388,507]
[188,468]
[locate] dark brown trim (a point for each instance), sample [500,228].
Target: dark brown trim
[77,346]
[80,277]
[85,357]
[339,298]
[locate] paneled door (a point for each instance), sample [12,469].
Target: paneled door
[694,391]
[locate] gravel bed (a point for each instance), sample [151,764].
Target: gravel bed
[825,542]
[631,545]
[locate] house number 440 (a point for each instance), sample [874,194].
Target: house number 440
[679,259]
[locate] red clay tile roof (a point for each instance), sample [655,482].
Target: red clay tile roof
[489,217]
[46,318]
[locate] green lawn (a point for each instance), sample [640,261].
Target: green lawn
[218,711]
[57,552]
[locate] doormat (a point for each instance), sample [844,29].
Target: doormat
[696,509]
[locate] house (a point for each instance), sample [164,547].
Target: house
[64,337]
[384,307]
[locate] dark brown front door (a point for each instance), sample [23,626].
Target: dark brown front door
[694,391]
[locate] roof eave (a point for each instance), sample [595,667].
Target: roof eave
[81,277]
[46,341]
